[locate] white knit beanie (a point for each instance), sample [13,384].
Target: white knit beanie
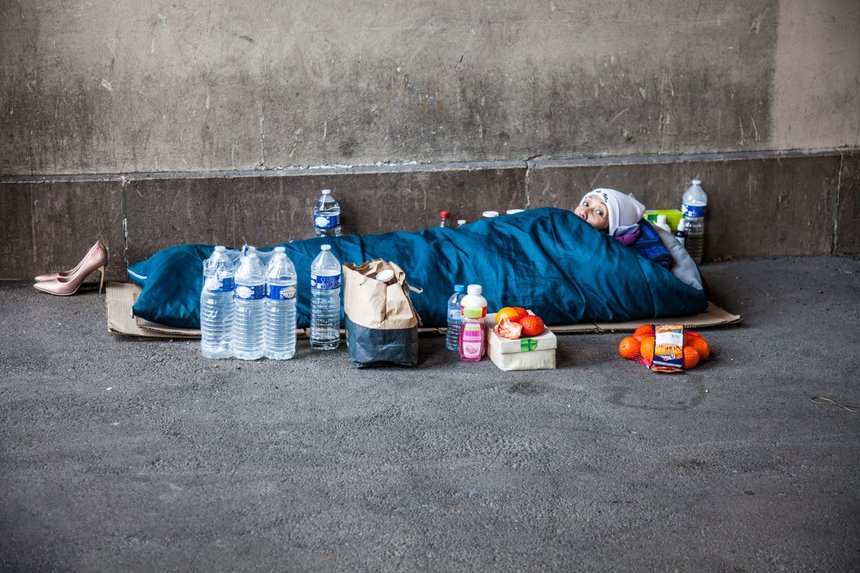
[624,210]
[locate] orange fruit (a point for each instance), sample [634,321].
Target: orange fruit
[532,325]
[521,310]
[691,357]
[646,349]
[629,348]
[514,313]
[701,345]
[645,329]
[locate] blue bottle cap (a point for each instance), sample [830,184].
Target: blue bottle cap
[459,288]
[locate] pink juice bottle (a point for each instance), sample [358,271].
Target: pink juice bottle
[472,335]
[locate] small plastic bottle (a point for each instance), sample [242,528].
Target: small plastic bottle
[681,233]
[461,222]
[473,307]
[693,206]
[280,306]
[325,300]
[443,218]
[249,307]
[661,222]
[216,305]
[452,334]
[327,215]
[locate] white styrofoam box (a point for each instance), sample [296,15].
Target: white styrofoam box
[530,353]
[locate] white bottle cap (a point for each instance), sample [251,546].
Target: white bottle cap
[325,247]
[326,191]
[475,289]
[220,248]
[461,222]
[696,182]
[385,276]
[280,249]
[489,214]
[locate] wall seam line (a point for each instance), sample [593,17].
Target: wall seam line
[835,238]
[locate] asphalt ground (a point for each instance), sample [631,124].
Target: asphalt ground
[120,454]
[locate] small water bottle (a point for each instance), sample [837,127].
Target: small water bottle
[452,334]
[473,307]
[280,307]
[325,300]
[327,215]
[216,306]
[249,307]
[443,218]
[693,207]
[681,233]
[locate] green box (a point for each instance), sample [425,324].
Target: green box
[673,216]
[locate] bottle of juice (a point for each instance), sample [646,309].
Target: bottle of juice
[473,307]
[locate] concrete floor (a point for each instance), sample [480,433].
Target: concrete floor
[126,455]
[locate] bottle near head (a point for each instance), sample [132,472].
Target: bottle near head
[693,206]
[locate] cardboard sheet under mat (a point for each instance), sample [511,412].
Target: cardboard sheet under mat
[121,296]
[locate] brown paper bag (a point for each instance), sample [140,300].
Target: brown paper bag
[381,323]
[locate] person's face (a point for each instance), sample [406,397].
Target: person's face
[593,211]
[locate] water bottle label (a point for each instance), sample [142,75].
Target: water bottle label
[214,284]
[454,314]
[326,221]
[325,282]
[693,211]
[282,292]
[245,292]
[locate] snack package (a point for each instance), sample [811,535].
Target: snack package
[668,348]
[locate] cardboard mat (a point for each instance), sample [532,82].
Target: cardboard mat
[121,296]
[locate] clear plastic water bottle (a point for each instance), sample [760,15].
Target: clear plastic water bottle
[327,215]
[249,311]
[280,307]
[216,305]
[693,207]
[452,334]
[325,300]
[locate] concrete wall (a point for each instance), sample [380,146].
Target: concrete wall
[105,104]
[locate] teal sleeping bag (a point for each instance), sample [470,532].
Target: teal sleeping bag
[548,260]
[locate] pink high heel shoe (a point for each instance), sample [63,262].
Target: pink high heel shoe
[65,283]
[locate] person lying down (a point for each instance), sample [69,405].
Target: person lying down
[599,262]
[620,216]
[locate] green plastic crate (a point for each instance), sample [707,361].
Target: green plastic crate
[673,216]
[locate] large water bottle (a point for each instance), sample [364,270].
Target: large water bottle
[327,215]
[693,207]
[249,311]
[280,306]
[216,306]
[452,334]
[325,300]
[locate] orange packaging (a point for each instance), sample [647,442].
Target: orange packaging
[668,348]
